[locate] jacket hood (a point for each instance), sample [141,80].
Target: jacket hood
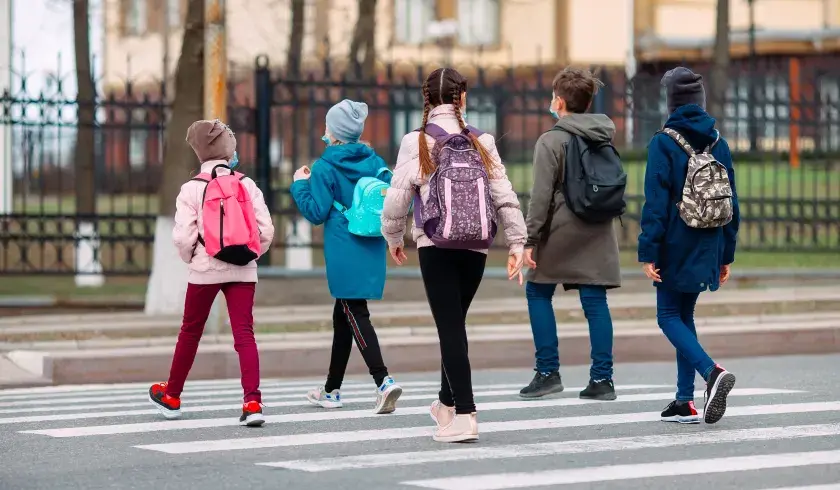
[353,160]
[695,124]
[593,127]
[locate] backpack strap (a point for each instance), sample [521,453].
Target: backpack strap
[680,140]
[383,170]
[437,132]
[221,165]
[715,142]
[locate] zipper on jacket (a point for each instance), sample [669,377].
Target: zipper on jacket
[221,225]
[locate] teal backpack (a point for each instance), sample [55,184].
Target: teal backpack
[364,216]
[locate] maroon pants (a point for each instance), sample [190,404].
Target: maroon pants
[240,303]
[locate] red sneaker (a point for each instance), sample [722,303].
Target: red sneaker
[168,406]
[252,415]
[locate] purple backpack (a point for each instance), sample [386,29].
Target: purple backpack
[459,213]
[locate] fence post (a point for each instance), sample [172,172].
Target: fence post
[6,176]
[795,98]
[262,131]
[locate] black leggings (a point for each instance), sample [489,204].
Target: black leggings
[451,278]
[351,320]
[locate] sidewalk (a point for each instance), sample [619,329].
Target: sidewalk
[416,349]
[394,311]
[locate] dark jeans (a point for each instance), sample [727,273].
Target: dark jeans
[451,279]
[593,299]
[675,315]
[351,320]
[239,297]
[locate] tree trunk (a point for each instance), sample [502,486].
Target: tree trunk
[168,282]
[295,54]
[364,37]
[720,67]
[87,265]
[86,101]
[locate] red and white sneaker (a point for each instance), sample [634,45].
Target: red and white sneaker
[252,415]
[168,406]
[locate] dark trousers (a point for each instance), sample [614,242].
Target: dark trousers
[451,279]
[239,297]
[351,321]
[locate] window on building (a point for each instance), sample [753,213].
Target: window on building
[829,113]
[137,140]
[136,17]
[412,19]
[173,13]
[478,22]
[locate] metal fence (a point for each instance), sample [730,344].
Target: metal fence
[788,204]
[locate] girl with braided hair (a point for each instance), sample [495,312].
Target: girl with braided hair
[451,276]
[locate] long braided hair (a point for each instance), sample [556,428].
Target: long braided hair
[445,86]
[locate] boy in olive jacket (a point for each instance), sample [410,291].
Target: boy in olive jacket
[563,249]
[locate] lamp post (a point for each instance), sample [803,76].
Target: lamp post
[751,103]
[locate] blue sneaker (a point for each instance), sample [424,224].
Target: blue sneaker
[387,396]
[317,396]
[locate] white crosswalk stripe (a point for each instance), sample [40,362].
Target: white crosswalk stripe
[120,416]
[630,471]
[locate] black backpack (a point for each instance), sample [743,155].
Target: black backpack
[594,180]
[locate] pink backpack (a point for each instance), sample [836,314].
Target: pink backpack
[230,230]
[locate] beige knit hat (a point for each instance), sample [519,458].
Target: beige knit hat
[211,140]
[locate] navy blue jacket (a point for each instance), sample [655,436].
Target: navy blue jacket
[689,259]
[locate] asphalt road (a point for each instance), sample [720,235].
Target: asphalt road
[782,430]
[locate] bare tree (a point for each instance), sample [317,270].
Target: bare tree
[86,102]
[87,265]
[166,289]
[364,40]
[720,65]
[295,54]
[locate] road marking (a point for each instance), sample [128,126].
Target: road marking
[487,427]
[317,416]
[106,389]
[555,448]
[594,474]
[830,486]
[141,398]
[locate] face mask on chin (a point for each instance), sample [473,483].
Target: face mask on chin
[326,140]
[552,111]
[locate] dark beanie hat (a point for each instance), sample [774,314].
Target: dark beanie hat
[683,87]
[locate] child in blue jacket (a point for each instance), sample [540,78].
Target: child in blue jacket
[681,260]
[355,265]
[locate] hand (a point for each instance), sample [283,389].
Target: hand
[651,272]
[514,266]
[398,254]
[529,258]
[302,173]
[724,274]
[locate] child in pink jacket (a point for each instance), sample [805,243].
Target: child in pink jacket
[214,144]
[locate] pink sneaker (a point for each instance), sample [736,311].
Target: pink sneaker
[463,428]
[441,414]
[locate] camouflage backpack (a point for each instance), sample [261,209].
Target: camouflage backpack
[707,194]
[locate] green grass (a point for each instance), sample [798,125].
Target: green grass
[755,180]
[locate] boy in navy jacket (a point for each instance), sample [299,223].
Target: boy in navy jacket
[684,261]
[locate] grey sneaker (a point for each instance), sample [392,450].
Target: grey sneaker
[317,396]
[387,396]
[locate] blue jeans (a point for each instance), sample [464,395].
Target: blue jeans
[675,315]
[593,299]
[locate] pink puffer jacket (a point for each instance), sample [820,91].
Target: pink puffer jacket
[407,177]
[203,268]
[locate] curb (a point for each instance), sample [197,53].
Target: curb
[421,353]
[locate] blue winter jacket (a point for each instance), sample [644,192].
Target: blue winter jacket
[355,265]
[689,259]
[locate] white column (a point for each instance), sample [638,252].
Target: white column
[88,267]
[6,36]
[299,244]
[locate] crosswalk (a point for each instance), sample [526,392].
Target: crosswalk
[556,442]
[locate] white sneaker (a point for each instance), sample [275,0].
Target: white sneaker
[317,396]
[387,396]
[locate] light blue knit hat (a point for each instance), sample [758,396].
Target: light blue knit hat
[346,120]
